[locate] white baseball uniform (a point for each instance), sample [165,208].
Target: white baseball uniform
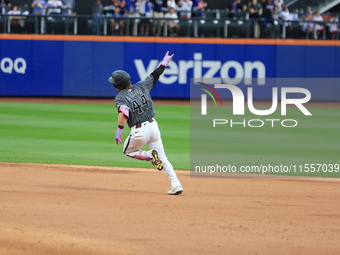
[135,103]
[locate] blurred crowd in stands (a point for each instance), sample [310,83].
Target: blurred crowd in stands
[146,10]
[313,23]
[40,7]
[154,16]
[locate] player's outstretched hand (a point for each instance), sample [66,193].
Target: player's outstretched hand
[119,137]
[167,58]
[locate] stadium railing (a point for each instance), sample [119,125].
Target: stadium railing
[211,25]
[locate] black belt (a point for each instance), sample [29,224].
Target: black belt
[140,124]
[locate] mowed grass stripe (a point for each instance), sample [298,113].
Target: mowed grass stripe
[82,134]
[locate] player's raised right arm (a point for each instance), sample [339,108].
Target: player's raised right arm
[158,72]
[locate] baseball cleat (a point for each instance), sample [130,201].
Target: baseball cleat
[176,191]
[156,161]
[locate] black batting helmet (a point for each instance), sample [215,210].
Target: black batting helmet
[120,79]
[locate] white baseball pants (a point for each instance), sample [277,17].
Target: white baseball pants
[149,134]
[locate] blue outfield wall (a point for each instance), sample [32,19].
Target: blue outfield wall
[81,68]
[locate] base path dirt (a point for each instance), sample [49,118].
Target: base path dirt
[60,209]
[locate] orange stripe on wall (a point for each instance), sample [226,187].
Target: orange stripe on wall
[170,40]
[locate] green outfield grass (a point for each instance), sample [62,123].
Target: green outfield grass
[82,134]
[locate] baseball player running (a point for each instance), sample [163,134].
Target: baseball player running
[135,107]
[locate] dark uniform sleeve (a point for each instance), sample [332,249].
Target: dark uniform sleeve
[158,72]
[151,80]
[118,102]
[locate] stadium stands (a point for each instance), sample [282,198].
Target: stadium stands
[213,23]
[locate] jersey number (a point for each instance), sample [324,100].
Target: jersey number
[138,106]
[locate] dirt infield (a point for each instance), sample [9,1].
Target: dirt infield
[60,209]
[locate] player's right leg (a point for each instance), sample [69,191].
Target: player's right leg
[133,144]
